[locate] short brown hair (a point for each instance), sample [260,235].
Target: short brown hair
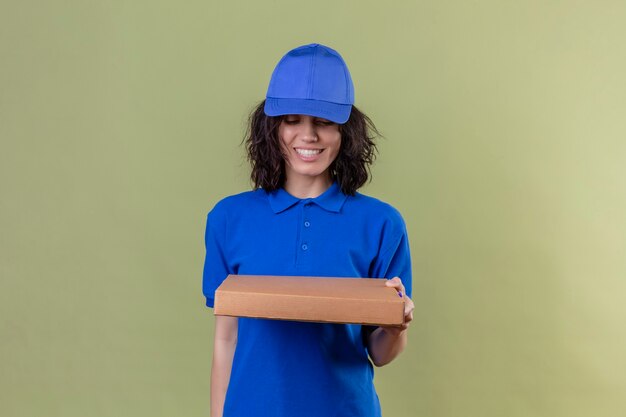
[351,168]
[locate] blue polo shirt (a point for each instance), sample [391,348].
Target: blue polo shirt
[287,368]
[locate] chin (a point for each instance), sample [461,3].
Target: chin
[309,172]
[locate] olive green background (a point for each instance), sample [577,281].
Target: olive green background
[505,150]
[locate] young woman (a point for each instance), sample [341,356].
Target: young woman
[310,149]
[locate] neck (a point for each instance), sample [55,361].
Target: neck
[307,187]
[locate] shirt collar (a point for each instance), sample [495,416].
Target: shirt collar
[331,200]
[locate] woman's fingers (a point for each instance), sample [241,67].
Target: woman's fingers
[409,306]
[396,283]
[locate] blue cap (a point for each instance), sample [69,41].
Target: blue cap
[313,80]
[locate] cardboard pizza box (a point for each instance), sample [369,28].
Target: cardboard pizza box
[318,299]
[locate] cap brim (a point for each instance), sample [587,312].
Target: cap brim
[338,113]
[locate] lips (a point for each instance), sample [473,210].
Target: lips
[308,155]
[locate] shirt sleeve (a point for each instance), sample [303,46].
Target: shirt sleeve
[394,260]
[216,267]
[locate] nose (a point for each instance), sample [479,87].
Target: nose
[308,133]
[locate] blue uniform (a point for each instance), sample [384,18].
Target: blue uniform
[284,368]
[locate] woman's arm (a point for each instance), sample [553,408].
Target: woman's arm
[224,344]
[386,343]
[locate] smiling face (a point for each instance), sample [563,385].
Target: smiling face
[310,145]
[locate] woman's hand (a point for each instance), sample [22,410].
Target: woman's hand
[387,342]
[396,283]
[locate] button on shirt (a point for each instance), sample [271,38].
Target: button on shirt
[284,368]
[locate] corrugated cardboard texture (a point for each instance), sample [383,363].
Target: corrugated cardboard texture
[318,299]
